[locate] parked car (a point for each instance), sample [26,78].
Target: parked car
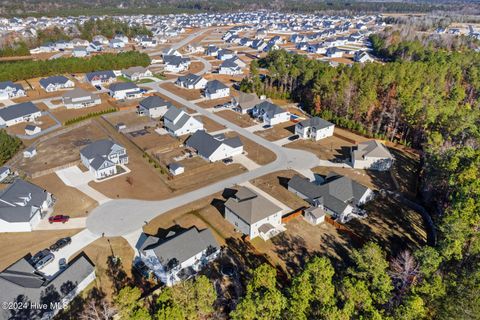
[44,261]
[294,137]
[62,263]
[218,106]
[228,160]
[39,255]
[98,87]
[60,244]
[58,218]
[267,126]
[142,268]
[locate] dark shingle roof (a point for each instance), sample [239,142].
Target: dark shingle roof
[214,85]
[316,122]
[154,102]
[45,82]
[119,86]
[18,110]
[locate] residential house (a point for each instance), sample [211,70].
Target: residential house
[80,52]
[31,130]
[337,195]
[214,148]
[178,255]
[176,168]
[30,152]
[314,215]
[270,113]
[102,157]
[56,83]
[314,128]
[116,44]
[175,63]
[22,282]
[214,89]
[10,90]
[153,107]
[225,54]
[212,51]
[80,98]
[334,52]
[253,215]
[100,39]
[230,67]
[136,73]
[178,123]
[371,155]
[245,102]
[18,113]
[100,78]
[362,57]
[191,81]
[22,205]
[125,90]
[4,173]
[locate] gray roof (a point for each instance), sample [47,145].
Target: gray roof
[336,193]
[100,74]
[175,166]
[214,86]
[172,113]
[45,82]
[372,149]
[189,79]
[206,144]
[247,100]
[174,60]
[79,93]
[315,122]
[120,86]
[20,281]
[269,108]
[10,84]
[154,102]
[132,70]
[20,200]
[18,110]
[251,207]
[230,63]
[177,248]
[99,148]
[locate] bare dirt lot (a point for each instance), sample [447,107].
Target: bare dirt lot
[212,103]
[242,120]
[131,119]
[209,124]
[16,245]
[277,132]
[150,141]
[188,94]
[275,184]
[254,151]
[44,122]
[195,66]
[63,114]
[69,201]
[331,148]
[61,149]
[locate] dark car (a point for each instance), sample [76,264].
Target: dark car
[294,137]
[267,126]
[58,218]
[218,106]
[142,268]
[39,255]
[60,244]
[98,87]
[227,160]
[44,261]
[62,264]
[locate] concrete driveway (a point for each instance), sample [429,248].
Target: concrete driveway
[74,177]
[74,223]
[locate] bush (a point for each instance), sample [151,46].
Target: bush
[88,116]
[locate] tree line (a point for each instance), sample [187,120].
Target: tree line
[14,49]
[22,70]
[9,145]
[109,27]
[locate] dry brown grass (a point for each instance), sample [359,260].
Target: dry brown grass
[69,201]
[211,103]
[43,122]
[209,124]
[16,245]
[242,120]
[331,148]
[277,132]
[187,94]
[255,152]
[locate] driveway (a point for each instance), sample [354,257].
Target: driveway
[74,223]
[74,177]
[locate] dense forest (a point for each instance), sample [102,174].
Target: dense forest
[31,69]
[109,27]
[8,146]
[14,49]
[104,7]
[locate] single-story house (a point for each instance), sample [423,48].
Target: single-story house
[98,78]
[214,148]
[136,73]
[102,157]
[18,113]
[339,196]
[153,107]
[9,90]
[125,90]
[245,102]
[56,83]
[80,98]
[253,214]
[31,130]
[30,152]
[191,81]
[178,255]
[371,155]
[176,168]
[314,128]
[270,113]
[22,205]
[178,123]
[22,283]
[214,89]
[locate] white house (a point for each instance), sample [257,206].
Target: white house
[214,148]
[178,255]
[4,172]
[31,130]
[136,73]
[178,123]
[18,113]
[80,52]
[270,113]
[253,215]
[176,168]
[175,63]
[10,90]
[22,205]
[337,196]
[245,102]
[334,52]
[214,89]
[371,155]
[314,128]
[125,90]
[314,215]
[230,67]
[191,81]
[99,78]
[80,98]
[225,54]
[102,157]
[153,107]
[362,57]
[55,83]
[116,44]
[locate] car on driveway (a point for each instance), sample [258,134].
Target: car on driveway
[62,264]
[227,160]
[267,126]
[39,255]
[60,244]
[294,137]
[44,261]
[58,218]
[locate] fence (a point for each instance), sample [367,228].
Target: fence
[292,215]
[342,228]
[51,170]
